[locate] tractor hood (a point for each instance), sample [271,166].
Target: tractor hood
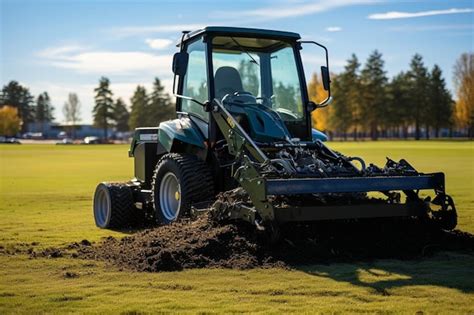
[259,121]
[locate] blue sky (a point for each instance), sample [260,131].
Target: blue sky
[63,46]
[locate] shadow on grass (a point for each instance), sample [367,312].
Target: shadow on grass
[383,255]
[445,269]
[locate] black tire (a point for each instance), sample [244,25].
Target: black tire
[195,184]
[113,206]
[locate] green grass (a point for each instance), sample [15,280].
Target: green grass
[46,194]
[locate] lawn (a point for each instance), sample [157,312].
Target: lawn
[46,195]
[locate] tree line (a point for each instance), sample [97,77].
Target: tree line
[369,104]
[146,109]
[366,103]
[18,107]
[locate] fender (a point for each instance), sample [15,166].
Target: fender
[318,135]
[181,135]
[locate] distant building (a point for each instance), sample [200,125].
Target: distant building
[52,130]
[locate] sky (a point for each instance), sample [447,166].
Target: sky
[64,46]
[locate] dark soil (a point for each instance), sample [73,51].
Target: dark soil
[204,244]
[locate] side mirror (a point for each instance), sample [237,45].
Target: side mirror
[324,74]
[325,77]
[180,63]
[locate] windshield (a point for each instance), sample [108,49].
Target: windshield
[265,68]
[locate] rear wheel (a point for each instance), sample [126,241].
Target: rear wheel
[113,205]
[179,181]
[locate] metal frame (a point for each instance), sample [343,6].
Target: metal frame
[289,186]
[321,213]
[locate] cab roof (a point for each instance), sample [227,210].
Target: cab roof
[240,32]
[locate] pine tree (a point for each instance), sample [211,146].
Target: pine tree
[341,116]
[352,83]
[139,109]
[346,88]
[121,115]
[103,109]
[440,100]
[399,105]
[44,109]
[18,96]
[160,107]
[374,94]
[419,94]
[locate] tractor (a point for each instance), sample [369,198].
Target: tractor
[242,147]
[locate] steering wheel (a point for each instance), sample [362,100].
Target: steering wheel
[266,101]
[262,107]
[287,114]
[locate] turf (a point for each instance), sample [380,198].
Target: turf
[45,197]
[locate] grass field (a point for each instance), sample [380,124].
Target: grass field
[46,195]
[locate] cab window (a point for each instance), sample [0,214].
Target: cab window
[195,80]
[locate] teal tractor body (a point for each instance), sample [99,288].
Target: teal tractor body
[243,133]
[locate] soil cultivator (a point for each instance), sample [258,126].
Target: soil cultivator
[242,147]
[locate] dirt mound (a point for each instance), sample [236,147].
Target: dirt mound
[203,244]
[182,245]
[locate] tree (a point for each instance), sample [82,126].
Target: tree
[341,116]
[374,94]
[15,95]
[72,111]
[103,109]
[399,105]
[160,108]
[352,84]
[419,94]
[441,107]
[139,109]
[44,109]
[10,122]
[317,94]
[346,108]
[121,115]
[464,84]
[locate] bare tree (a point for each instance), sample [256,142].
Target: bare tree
[72,111]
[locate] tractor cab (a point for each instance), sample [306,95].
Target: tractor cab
[256,74]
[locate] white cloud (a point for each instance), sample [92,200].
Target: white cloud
[53,52]
[135,67]
[158,43]
[151,29]
[404,15]
[310,60]
[334,29]
[296,9]
[421,28]
[107,62]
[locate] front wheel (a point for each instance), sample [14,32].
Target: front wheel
[179,181]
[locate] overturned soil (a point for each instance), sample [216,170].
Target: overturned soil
[205,244]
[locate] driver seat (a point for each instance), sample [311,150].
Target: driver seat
[227,80]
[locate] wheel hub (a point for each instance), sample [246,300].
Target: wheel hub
[170,196]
